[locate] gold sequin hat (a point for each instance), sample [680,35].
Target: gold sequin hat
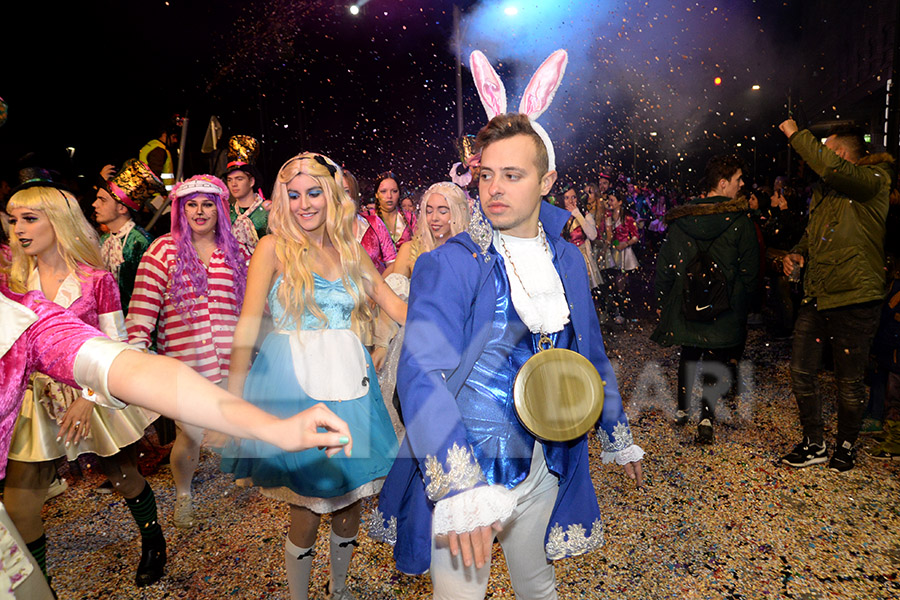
[243,150]
[135,184]
[465,146]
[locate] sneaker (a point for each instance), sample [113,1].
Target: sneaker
[681,417]
[705,432]
[57,487]
[879,453]
[104,488]
[842,459]
[805,454]
[183,514]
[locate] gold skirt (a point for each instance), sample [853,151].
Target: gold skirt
[43,408]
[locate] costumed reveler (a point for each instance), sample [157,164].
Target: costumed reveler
[189,287]
[249,208]
[56,252]
[117,203]
[581,230]
[621,233]
[400,223]
[370,231]
[38,335]
[443,213]
[467,469]
[316,279]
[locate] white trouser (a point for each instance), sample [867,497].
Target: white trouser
[522,541]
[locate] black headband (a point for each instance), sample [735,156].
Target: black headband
[321,160]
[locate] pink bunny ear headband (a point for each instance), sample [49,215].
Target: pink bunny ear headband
[536,99]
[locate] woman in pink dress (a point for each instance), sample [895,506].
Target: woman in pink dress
[621,234]
[400,224]
[56,252]
[37,335]
[370,230]
[581,230]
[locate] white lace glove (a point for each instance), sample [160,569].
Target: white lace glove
[632,453]
[478,507]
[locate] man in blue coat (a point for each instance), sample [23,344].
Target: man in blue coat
[468,470]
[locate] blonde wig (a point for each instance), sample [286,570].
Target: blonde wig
[297,290]
[76,240]
[459,213]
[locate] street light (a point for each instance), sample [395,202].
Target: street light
[755,87]
[354,10]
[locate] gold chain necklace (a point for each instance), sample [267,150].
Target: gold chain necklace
[509,256]
[545,341]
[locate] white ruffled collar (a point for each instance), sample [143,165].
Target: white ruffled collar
[123,232]
[534,285]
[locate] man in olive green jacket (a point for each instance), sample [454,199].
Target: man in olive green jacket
[842,251]
[718,224]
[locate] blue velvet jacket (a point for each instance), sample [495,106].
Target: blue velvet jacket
[451,306]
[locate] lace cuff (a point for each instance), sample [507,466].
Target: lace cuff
[621,439]
[473,508]
[632,453]
[463,473]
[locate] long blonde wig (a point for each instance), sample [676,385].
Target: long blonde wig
[76,240]
[297,291]
[459,213]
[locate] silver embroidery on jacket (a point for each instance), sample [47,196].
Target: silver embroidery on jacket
[381,530]
[464,473]
[573,541]
[621,435]
[480,230]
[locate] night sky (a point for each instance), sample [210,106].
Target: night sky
[377,91]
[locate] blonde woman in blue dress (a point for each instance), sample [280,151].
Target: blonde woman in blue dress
[316,278]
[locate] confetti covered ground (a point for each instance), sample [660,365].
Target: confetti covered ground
[724,521]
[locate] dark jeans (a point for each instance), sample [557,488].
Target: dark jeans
[719,372]
[786,299]
[850,330]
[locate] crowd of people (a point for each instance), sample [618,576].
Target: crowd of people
[400,329]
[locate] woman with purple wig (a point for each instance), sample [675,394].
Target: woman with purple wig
[190,287]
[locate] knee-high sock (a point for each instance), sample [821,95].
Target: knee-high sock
[341,554]
[38,549]
[143,509]
[298,563]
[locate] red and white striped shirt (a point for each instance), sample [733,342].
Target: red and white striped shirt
[201,339]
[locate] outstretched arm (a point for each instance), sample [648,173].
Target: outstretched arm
[168,386]
[858,183]
[67,349]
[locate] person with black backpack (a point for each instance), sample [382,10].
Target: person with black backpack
[705,274]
